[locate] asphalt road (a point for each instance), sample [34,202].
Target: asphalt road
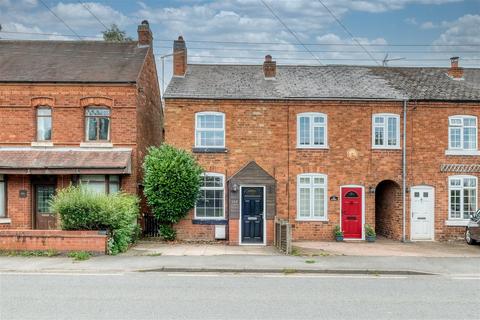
[229,296]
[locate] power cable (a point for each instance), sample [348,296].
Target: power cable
[348,32]
[60,19]
[93,15]
[289,30]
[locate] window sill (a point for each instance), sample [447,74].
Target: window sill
[96,145]
[42,144]
[5,220]
[386,148]
[456,223]
[450,152]
[311,220]
[211,221]
[209,150]
[313,148]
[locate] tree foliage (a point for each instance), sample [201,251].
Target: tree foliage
[114,34]
[171,182]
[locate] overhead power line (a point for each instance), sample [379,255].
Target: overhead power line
[93,15]
[60,19]
[348,32]
[289,30]
[262,43]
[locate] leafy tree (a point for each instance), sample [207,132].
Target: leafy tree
[114,34]
[171,185]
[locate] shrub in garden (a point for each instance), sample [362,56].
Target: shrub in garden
[81,209]
[172,180]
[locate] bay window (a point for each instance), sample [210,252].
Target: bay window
[101,183]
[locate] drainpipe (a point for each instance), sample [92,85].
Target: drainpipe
[404,169]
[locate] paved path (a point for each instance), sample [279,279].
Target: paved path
[245,263]
[212,296]
[143,248]
[387,248]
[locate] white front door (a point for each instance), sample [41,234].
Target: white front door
[423,217]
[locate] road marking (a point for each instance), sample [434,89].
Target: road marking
[58,274]
[465,278]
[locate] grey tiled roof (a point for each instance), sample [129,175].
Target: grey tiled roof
[323,82]
[70,61]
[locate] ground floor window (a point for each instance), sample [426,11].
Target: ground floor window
[3,196]
[101,183]
[312,196]
[463,197]
[210,203]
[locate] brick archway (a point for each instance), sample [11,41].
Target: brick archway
[388,210]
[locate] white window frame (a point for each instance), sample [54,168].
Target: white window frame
[311,116]
[3,195]
[206,113]
[213,188]
[385,117]
[461,188]
[38,117]
[312,186]
[462,127]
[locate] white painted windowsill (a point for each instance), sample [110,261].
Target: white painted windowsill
[42,144]
[456,223]
[5,220]
[311,220]
[96,145]
[450,152]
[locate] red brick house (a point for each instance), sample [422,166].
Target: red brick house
[320,146]
[80,112]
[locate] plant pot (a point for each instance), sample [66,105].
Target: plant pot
[370,238]
[339,238]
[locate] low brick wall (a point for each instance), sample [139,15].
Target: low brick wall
[59,240]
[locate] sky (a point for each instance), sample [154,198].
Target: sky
[411,32]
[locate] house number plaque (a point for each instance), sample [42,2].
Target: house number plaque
[23,193]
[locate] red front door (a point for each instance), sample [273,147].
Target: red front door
[352,212]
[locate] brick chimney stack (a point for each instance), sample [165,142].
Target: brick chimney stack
[269,67]
[145,37]
[455,72]
[179,57]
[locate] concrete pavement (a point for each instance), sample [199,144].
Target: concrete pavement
[247,263]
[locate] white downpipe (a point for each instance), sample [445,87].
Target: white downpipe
[404,170]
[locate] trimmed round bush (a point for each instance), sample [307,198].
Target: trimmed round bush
[172,180]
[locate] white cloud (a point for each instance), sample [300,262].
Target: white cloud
[464,30]
[428,25]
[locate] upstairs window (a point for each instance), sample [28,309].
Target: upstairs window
[462,133]
[97,122]
[210,130]
[44,124]
[311,197]
[386,131]
[312,130]
[210,203]
[462,197]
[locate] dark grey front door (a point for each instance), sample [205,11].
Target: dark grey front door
[252,214]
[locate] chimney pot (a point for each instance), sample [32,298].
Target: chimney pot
[269,67]
[145,37]
[179,57]
[455,72]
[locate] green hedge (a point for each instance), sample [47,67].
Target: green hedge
[80,209]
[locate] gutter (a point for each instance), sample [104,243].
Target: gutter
[404,170]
